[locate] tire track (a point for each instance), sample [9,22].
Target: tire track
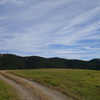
[29,90]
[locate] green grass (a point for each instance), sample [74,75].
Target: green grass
[78,84]
[7,92]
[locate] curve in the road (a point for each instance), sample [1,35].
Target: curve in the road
[29,90]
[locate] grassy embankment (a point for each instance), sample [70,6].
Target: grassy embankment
[7,92]
[78,84]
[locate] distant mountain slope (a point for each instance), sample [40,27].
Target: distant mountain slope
[10,61]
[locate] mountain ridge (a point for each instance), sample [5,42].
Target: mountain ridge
[12,61]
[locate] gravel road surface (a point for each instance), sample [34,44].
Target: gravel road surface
[29,90]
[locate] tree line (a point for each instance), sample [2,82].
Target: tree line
[11,61]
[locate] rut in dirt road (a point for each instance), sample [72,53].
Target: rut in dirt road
[29,90]
[23,92]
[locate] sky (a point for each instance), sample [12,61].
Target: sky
[50,28]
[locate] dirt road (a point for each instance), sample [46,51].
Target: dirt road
[29,90]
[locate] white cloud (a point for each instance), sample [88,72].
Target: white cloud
[17,2]
[39,23]
[76,31]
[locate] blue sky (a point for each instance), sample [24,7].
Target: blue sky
[50,28]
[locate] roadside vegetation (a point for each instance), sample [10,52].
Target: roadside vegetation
[7,92]
[75,83]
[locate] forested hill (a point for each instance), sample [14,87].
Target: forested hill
[10,61]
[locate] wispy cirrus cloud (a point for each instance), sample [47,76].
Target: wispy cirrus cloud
[16,2]
[63,28]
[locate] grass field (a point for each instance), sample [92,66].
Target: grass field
[78,84]
[6,92]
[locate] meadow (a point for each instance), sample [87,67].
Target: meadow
[7,92]
[74,83]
